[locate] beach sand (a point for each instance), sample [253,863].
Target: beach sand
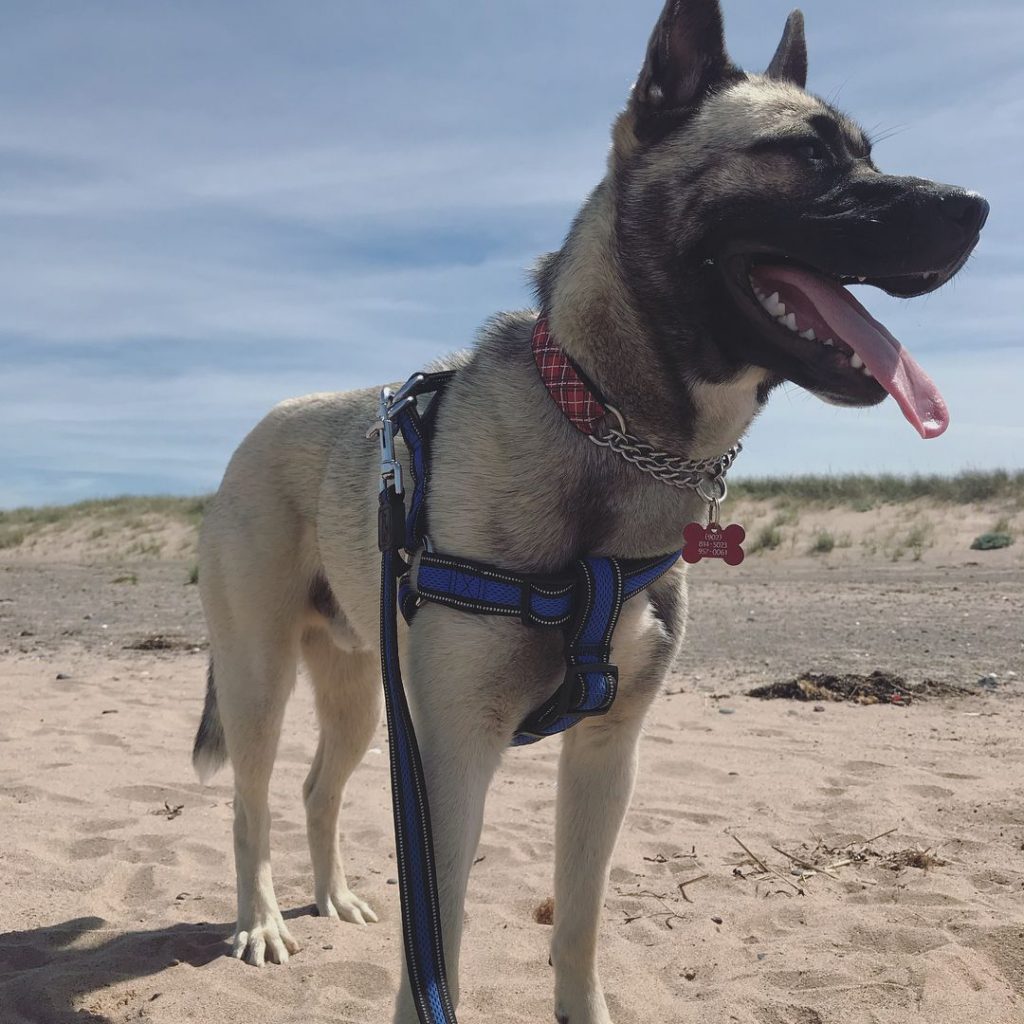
[116,872]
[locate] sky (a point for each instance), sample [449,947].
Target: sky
[209,206]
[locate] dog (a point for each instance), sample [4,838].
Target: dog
[708,267]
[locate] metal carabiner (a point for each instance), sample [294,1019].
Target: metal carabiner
[384,428]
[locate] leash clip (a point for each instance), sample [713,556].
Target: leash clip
[391,513]
[391,405]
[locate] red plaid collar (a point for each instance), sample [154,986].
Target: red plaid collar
[572,392]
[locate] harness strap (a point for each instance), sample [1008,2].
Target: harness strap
[537,600]
[472,587]
[416,429]
[586,605]
[590,681]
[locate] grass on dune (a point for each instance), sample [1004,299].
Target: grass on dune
[17,524]
[858,491]
[863,491]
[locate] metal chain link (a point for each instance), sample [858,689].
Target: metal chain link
[669,469]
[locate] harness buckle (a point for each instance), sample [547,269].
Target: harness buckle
[569,695]
[573,678]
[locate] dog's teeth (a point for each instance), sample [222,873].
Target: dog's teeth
[772,305]
[829,342]
[856,362]
[809,335]
[861,279]
[868,373]
[789,321]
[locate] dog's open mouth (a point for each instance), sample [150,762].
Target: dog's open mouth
[845,355]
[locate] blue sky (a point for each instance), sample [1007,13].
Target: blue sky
[208,206]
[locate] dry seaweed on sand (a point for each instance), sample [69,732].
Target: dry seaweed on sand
[827,859]
[160,642]
[917,857]
[544,912]
[880,687]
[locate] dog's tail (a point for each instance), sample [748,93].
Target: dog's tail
[209,752]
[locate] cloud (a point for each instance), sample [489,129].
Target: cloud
[207,209]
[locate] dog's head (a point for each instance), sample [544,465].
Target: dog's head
[745,205]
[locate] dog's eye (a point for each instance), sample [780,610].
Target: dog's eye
[813,151]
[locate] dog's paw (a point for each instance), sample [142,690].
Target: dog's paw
[565,1018]
[586,1008]
[345,904]
[267,939]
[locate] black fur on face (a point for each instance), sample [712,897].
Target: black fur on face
[846,223]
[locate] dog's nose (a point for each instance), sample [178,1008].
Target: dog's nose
[967,209]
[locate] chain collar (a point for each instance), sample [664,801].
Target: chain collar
[590,414]
[689,474]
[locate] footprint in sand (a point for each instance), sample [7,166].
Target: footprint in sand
[92,848]
[789,1015]
[864,767]
[155,795]
[931,792]
[897,940]
[106,739]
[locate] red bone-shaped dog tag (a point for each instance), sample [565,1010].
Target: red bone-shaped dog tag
[713,541]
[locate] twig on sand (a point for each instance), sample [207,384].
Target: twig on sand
[813,869]
[750,853]
[881,835]
[668,914]
[799,862]
[682,886]
[765,868]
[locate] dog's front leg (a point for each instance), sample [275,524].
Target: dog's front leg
[595,783]
[454,663]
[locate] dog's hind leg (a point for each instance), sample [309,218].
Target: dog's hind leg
[254,680]
[595,782]
[348,699]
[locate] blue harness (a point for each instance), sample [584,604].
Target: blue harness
[584,603]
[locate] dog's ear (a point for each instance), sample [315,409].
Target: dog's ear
[790,61]
[685,57]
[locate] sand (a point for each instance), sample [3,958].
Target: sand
[117,882]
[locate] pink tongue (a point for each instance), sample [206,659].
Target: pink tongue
[821,300]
